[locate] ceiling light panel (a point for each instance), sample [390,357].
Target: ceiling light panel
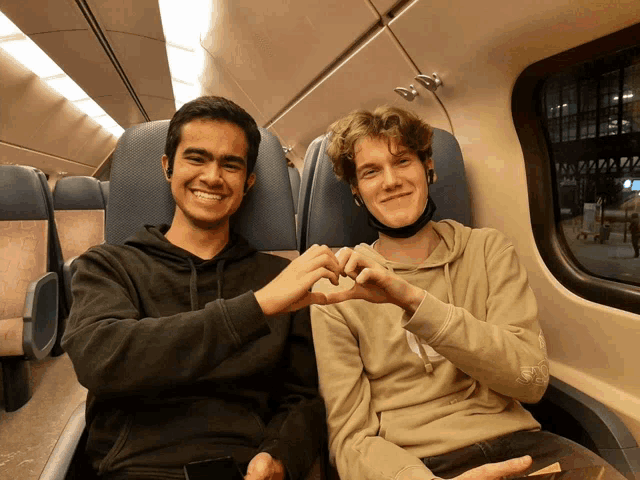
[183,29]
[25,51]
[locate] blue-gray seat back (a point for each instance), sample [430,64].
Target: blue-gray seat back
[294,179]
[140,194]
[78,193]
[310,159]
[333,219]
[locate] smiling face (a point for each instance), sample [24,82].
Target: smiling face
[209,174]
[392,184]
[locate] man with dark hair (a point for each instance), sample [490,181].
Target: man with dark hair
[436,342]
[192,344]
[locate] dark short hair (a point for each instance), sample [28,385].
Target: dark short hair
[385,122]
[213,108]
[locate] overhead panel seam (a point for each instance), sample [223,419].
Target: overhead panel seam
[95,26]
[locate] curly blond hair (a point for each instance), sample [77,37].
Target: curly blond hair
[385,122]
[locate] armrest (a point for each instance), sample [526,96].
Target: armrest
[67,274]
[60,459]
[569,412]
[40,316]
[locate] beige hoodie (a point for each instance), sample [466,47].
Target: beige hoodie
[400,388]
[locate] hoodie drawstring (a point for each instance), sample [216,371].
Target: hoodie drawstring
[193,282]
[193,286]
[447,277]
[219,268]
[415,342]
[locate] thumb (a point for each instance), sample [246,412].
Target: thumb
[495,471]
[258,465]
[511,467]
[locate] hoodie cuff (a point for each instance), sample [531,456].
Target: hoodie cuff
[430,318]
[245,317]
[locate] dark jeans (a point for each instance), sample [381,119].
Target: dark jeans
[545,449]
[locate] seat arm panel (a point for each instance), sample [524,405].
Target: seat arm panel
[59,461]
[566,410]
[41,316]
[608,430]
[67,274]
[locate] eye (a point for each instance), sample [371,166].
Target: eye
[232,166]
[195,159]
[404,161]
[368,173]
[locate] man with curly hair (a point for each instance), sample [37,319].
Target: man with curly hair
[431,340]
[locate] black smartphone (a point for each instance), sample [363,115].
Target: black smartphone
[223,468]
[586,473]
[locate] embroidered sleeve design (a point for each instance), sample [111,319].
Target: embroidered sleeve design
[537,375]
[543,342]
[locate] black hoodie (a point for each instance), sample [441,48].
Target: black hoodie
[182,365]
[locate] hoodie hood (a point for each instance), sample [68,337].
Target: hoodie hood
[152,241]
[453,241]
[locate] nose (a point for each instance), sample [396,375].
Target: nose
[211,174]
[390,178]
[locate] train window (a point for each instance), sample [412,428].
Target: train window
[577,115]
[590,114]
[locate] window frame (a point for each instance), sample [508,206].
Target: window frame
[540,172]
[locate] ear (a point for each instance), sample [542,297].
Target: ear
[250,183]
[430,166]
[165,166]
[354,190]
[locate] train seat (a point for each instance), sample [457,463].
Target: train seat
[104,186]
[563,409]
[28,290]
[79,212]
[294,179]
[265,219]
[310,158]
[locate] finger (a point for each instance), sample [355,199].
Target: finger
[369,275]
[322,261]
[355,265]
[343,256]
[350,266]
[331,261]
[311,278]
[508,467]
[337,297]
[258,468]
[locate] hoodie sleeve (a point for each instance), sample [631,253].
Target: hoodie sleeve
[114,351]
[510,331]
[354,444]
[296,432]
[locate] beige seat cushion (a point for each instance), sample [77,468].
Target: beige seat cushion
[79,230]
[23,259]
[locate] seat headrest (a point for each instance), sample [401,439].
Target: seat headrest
[22,196]
[140,194]
[78,193]
[333,219]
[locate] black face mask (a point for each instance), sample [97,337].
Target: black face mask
[408,230]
